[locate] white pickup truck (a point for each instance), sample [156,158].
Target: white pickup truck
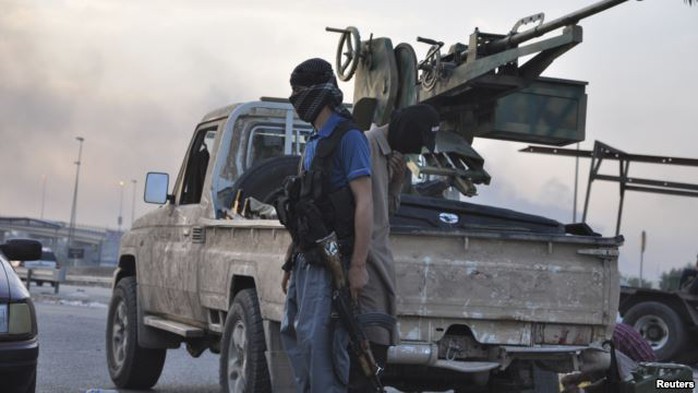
[488,298]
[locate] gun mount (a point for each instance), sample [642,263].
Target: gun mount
[479,89]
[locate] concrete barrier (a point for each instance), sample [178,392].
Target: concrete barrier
[83,275]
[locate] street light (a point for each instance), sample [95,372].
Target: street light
[133,202]
[73,210]
[121,203]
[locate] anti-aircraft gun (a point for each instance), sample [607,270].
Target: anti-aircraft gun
[480,89]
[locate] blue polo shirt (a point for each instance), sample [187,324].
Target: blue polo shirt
[352,159]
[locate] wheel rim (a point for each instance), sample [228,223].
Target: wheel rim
[654,330]
[119,334]
[236,358]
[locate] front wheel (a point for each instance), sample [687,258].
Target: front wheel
[130,365]
[243,365]
[660,326]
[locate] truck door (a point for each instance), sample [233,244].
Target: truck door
[169,286]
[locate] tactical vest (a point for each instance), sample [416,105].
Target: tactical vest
[310,209]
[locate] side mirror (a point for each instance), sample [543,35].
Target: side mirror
[21,250]
[156,185]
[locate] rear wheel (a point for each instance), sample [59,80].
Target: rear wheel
[660,326]
[243,365]
[130,365]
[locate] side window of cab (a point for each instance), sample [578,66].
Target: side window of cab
[197,165]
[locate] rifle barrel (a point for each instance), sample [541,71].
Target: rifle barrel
[569,19]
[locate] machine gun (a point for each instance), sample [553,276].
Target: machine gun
[479,88]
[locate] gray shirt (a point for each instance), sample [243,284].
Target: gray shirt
[379,294]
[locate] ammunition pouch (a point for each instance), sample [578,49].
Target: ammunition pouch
[341,213]
[309,219]
[310,210]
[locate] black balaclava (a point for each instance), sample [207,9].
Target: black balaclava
[315,87]
[413,127]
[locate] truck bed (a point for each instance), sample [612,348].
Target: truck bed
[510,278]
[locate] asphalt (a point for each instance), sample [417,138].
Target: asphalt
[95,291]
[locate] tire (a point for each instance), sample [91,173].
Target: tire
[660,326]
[264,179]
[243,366]
[130,365]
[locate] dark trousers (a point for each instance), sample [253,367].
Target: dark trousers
[358,382]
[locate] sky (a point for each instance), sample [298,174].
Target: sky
[133,78]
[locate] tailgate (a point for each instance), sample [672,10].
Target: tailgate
[507,288]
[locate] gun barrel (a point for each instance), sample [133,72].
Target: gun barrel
[569,19]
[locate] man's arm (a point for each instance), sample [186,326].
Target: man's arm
[396,165]
[363,223]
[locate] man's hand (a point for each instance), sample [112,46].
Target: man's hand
[396,166]
[357,276]
[284,282]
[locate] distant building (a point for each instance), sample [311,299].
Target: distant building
[92,246]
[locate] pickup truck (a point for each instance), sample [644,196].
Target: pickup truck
[489,299]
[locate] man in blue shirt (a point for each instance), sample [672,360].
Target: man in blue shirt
[315,342]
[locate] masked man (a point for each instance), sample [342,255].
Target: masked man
[409,130]
[336,182]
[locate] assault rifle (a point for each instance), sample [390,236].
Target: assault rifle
[345,307]
[304,221]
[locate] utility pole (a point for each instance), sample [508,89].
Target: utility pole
[133,202]
[576,182]
[73,210]
[643,243]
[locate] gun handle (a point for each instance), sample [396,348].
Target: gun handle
[333,260]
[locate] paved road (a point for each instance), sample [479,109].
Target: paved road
[72,358]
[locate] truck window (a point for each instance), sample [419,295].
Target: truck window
[262,141]
[196,167]
[269,141]
[48,256]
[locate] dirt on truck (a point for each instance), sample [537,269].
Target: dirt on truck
[488,299]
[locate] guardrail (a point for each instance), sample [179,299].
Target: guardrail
[93,276]
[42,275]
